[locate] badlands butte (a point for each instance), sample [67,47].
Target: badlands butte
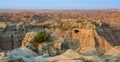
[70,40]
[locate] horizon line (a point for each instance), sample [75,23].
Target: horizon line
[70,9]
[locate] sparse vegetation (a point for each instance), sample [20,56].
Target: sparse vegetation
[41,37]
[88,61]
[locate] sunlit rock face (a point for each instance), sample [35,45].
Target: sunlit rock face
[90,33]
[114,52]
[96,34]
[91,38]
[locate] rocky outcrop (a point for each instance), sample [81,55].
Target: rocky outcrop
[11,34]
[3,25]
[10,37]
[55,46]
[75,42]
[57,49]
[90,33]
[115,52]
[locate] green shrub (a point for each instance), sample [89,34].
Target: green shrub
[88,61]
[41,37]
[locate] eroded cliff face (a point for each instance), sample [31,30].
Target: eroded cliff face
[10,41]
[9,37]
[90,33]
[97,34]
[11,34]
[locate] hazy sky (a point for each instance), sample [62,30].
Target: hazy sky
[58,4]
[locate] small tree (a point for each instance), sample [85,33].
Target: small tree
[41,37]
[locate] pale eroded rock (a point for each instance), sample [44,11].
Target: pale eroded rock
[115,52]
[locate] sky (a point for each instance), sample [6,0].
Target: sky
[59,4]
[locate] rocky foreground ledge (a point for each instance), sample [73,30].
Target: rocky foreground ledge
[58,49]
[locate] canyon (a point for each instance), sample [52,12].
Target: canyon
[71,40]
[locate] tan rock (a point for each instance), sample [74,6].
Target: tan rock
[68,55]
[57,58]
[2,55]
[90,51]
[91,38]
[70,61]
[3,25]
[28,40]
[30,36]
[94,58]
[90,34]
[115,52]
[58,42]
[72,54]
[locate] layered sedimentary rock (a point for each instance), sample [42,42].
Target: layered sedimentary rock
[11,35]
[90,33]
[57,49]
[96,34]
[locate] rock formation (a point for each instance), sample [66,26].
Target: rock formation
[11,34]
[55,46]
[90,33]
[57,49]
